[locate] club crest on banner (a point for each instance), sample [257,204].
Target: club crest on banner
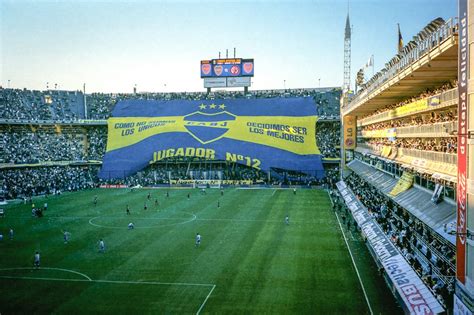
[207,128]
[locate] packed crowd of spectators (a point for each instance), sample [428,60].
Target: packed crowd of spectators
[22,182]
[99,106]
[33,144]
[425,94]
[327,100]
[69,105]
[64,141]
[283,177]
[446,145]
[97,141]
[421,178]
[161,173]
[431,256]
[328,104]
[22,144]
[41,105]
[328,139]
[416,120]
[27,182]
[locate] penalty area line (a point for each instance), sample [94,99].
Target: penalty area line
[205,300]
[355,266]
[109,281]
[48,268]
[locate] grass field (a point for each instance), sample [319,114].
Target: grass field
[249,261]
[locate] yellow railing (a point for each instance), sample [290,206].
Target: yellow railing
[441,157]
[436,130]
[447,98]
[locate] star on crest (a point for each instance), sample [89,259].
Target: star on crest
[222,106]
[212,106]
[202,106]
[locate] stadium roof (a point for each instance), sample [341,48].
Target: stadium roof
[415,200]
[431,70]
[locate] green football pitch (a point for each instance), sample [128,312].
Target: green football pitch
[249,260]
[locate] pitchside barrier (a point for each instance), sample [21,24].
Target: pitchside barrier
[412,293]
[200,184]
[212,177]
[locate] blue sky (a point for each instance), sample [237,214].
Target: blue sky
[113,45]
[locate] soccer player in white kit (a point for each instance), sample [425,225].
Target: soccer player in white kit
[131,226]
[101,246]
[198,239]
[37,260]
[66,235]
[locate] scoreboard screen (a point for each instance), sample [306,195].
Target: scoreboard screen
[235,67]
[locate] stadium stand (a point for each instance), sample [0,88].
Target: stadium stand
[431,255]
[25,182]
[30,105]
[49,145]
[404,166]
[328,139]
[16,104]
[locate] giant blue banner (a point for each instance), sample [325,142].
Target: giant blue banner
[259,133]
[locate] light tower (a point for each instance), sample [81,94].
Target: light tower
[347,56]
[345,88]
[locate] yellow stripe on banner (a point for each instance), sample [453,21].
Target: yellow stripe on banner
[123,132]
[294,134]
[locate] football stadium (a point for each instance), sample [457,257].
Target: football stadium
[242,195]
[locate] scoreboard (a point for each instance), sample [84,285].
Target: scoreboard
[223,68]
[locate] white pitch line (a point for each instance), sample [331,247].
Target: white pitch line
[352,235]
[49,268]
[157,283]
[274,191]
[355,266]
[45,279]
[207,297]
[111,281]
[141,227]
[193,219]
[241,220]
